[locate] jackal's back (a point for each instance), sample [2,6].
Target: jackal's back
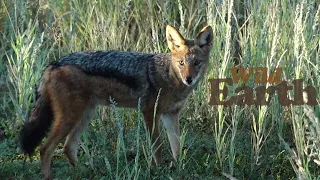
[126,67]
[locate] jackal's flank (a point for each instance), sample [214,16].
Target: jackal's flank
[72,87]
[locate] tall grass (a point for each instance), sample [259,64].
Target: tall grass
[244,142]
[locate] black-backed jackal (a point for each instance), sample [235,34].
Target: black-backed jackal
[71,88]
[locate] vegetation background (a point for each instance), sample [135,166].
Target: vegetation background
[243,142]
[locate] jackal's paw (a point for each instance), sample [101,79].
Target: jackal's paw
[71,155]
[48,177]
[172,165]
[165,163]
[131,154]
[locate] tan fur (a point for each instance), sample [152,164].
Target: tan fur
[74,94]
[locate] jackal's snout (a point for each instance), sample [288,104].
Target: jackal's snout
[189,80]
[188,74]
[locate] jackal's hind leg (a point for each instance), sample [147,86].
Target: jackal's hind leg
[59,131]
[72,142]
[67,115]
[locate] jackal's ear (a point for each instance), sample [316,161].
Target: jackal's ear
[174,38]
[204,38]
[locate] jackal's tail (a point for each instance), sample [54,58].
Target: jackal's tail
[40,120]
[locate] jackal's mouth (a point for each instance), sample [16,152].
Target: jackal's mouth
[189,81]
[186,83]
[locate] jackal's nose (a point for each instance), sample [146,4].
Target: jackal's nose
[189,79]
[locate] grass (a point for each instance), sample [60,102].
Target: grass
[243,142]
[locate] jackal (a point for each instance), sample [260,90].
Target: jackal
[72,87]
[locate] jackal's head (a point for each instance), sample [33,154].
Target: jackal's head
[190,58]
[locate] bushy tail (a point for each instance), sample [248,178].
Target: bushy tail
[39,122]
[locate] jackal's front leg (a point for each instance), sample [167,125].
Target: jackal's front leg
[171,123]
[152,124]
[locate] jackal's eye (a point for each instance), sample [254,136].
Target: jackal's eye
[181,62]
[197,63]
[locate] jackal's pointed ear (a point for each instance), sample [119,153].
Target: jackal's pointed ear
[204,38]
[174,38]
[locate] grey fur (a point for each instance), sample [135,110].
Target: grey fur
[139,71]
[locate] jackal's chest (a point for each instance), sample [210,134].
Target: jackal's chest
[173,101]
[175,106]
